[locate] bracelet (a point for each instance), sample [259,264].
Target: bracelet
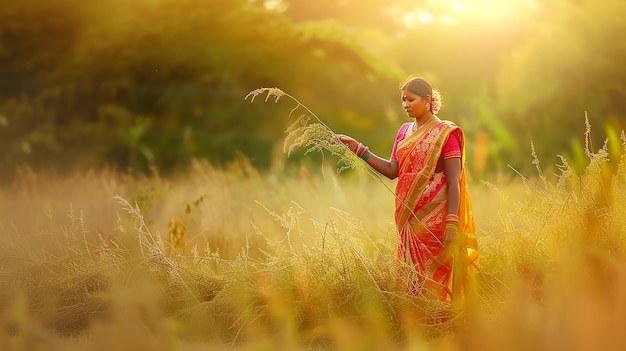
[452,218]
[358,149]
[367,155]
[364,151]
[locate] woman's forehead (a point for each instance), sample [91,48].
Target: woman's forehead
[407,93]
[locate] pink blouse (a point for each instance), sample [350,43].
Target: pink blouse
[451,148]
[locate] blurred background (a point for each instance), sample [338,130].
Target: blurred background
[157,83]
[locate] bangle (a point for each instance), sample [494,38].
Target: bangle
[367,155]
[364,151]
[358,149]
[452,218]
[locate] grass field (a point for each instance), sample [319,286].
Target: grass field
[233,258]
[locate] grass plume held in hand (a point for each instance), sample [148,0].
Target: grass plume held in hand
[312,136]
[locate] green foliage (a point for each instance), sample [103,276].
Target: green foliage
[160,82]
[571,63]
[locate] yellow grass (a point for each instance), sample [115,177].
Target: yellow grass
[233,258]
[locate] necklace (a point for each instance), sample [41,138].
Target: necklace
[415,128]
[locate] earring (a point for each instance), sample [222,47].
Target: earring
[428,105]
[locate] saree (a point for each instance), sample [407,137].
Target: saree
[435,270]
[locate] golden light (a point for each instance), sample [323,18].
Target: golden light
[275,5]
[457,6]
[452,11]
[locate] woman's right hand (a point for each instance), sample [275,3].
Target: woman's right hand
[348,141]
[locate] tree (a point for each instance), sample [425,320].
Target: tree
[571,63]
[163,81]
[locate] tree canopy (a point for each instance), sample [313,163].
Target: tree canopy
[160,82]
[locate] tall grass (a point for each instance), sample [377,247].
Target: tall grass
[302,260]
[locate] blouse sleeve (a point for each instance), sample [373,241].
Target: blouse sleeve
[452,147]
[399,137]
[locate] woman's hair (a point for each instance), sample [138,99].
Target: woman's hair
[421,87]
[418,86]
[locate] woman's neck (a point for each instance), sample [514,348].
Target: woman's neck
[423,119]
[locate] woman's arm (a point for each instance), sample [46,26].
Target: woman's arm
[452,170]
[388,168]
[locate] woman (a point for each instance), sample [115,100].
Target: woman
[433,209]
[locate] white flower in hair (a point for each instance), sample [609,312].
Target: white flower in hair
[435,102]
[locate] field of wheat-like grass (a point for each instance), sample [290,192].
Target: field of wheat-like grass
[234,258]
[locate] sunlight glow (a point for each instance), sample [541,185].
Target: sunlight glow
[414,19]
[447,20]
[425,18]
[457,6]
[275,5]
[451,11]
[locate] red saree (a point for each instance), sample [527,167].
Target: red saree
[421,208]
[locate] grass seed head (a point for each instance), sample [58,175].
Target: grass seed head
[277,93]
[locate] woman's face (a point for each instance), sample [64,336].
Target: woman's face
[413,104]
